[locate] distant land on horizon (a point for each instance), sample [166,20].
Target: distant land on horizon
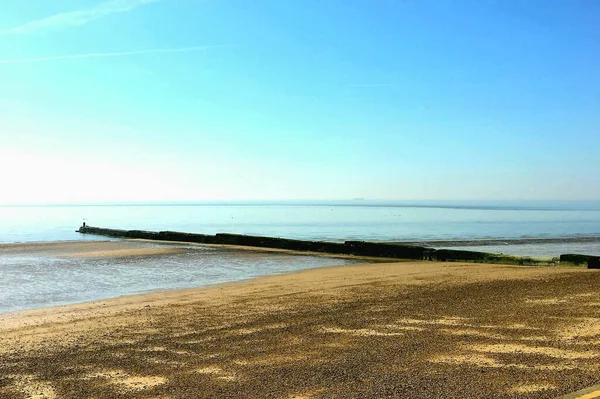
[359,202]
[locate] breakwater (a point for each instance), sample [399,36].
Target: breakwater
[355,248]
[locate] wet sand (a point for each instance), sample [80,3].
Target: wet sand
[141,247]
[87,249]
[400,330]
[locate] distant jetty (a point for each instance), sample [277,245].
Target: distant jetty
[354,248]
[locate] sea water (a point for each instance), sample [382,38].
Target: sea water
[28,281]
[330,220]
[31,280]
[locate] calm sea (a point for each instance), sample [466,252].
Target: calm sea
[488,222]
[30,280]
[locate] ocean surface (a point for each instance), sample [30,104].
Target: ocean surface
[29,281]
[506,222]
[32,280]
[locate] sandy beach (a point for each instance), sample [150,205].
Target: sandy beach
[399,330]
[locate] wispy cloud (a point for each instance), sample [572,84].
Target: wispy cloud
[103,55]
[78,17]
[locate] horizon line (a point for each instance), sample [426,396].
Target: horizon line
[266,201]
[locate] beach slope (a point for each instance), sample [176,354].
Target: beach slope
[401,330]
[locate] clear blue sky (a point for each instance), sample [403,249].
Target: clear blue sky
[146,100]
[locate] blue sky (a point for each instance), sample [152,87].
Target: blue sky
[165,100]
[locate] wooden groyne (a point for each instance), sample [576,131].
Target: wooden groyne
[355,248]
[358,248]
[593,262]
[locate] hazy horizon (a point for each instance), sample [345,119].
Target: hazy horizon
[417,203]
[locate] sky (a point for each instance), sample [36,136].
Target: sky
[191,100]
